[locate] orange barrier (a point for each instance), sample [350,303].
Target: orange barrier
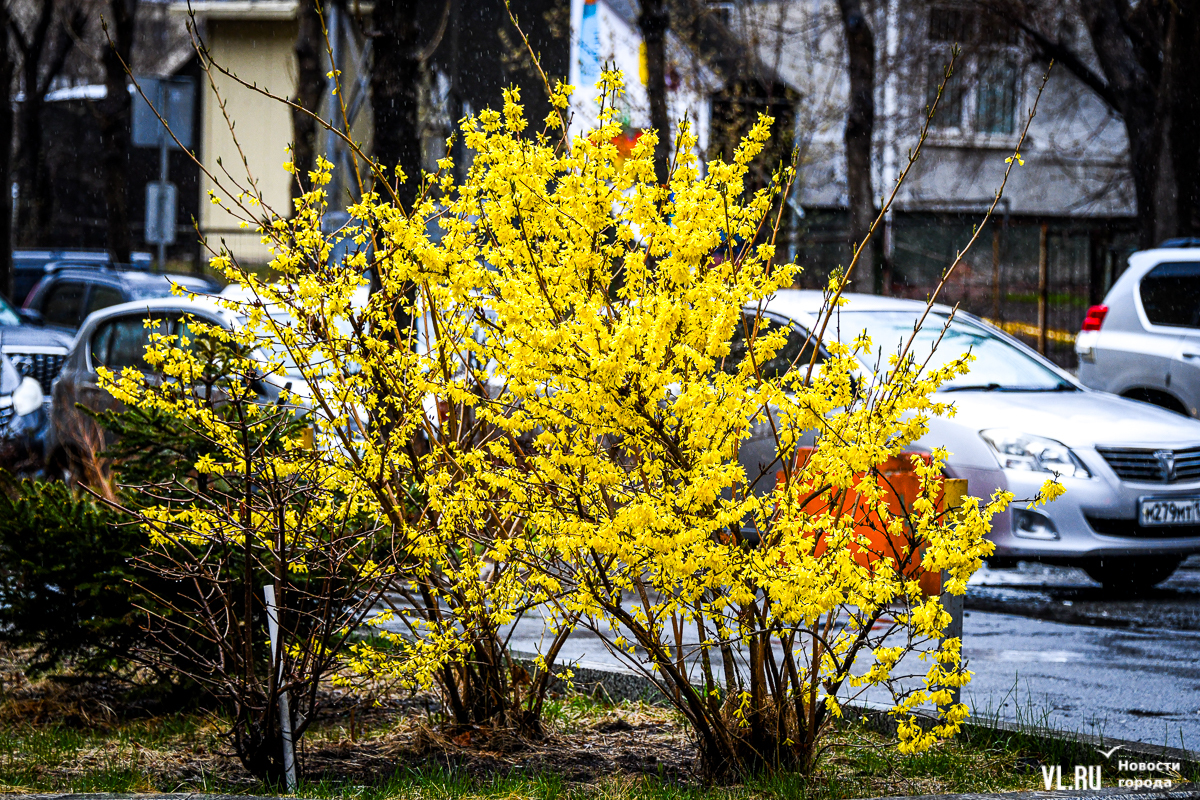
[901,486]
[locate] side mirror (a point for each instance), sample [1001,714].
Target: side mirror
[31,316]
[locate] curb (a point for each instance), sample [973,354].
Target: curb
[1188,791]
[878,717]
[1183,792]
[126,796]
[1050,610]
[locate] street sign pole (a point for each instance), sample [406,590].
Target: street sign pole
[162,118]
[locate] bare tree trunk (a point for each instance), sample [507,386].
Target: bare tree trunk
[1142,67]
[395,92]
[6,137]
[395,105]
[30,155]
[42,59]
[1145,132]
[860,127]
[310,80]
[1182,65]
[654,21]
[115,120]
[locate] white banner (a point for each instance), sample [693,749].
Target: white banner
[602,37]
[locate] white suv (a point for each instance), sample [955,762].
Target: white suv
[1144,342]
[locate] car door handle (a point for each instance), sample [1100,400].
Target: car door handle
[1191,356]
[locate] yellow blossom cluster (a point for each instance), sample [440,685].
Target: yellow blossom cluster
[532,395]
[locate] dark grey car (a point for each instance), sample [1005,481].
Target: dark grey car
[32,358]
[30,266]
[64,298]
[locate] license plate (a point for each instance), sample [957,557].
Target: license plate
[1154,512]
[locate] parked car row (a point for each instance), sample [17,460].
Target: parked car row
[1132,470]
[65,297]
[61,288]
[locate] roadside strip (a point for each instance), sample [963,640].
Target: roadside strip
[1182,792]
[606,683]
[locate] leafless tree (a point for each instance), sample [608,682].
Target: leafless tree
[310,83]
[113,114]
[654,21]
[6,134]
[860,125]
[740,46]
[395,91]
[44,36]
[1141,59]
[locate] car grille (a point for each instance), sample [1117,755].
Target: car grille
[1130,529]
[42,367]
[1143,466]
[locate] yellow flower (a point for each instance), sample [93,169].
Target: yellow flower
[561,428]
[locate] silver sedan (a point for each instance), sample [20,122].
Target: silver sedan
[1131,512]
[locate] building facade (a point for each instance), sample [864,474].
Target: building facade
[1065,225]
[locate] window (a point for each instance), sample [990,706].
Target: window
[1171,294]
[64,304]
[99,345]
[121,342]
[948,24]
[149,287]
[949,111]
[981,96]
[103,296]
[996,95]
[795,352]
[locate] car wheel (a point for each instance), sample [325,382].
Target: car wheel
[1124,574]
[1156,398]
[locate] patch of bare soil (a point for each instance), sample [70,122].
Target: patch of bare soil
[628,740]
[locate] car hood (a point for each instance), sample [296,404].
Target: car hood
[1077,419]
[17,336]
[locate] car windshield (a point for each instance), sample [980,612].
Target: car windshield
[998,364]
[8,315]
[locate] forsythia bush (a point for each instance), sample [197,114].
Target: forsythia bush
[539,399]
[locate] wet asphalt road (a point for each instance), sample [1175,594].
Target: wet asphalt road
[1120,683]
[1050,646]
[1069,595]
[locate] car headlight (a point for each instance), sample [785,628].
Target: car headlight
[1018,450]
[27,398]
